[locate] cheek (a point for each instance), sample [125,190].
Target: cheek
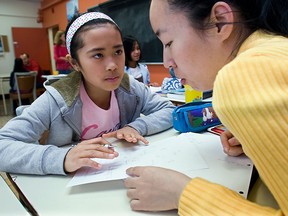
[185,60]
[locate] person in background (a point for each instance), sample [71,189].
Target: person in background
[94,102]
[60,53]
[246,66]
[32,65]
[18,67]
[132,57]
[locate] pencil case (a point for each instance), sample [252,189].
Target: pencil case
[194,117]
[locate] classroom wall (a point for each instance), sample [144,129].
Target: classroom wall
[15,14]
[55,14]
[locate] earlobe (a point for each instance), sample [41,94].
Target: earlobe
[223,16]
[72,62]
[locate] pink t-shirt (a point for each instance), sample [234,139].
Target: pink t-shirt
[96,121]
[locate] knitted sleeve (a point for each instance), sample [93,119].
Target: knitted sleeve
[202,197]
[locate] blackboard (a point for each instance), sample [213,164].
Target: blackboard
[132,16]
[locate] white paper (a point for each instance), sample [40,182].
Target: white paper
[177,153]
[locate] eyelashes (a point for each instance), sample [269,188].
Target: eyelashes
[168,44]
[100,55]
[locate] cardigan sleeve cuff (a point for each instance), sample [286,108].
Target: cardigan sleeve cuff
[201,197]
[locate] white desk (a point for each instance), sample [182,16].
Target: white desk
[9,204]
[58,76]
[4,78]
[50,196]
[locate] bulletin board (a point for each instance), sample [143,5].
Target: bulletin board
[132,16]
[3,44]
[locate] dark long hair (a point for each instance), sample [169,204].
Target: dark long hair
[18,65]
[129,43]
[270,16]
[267,15]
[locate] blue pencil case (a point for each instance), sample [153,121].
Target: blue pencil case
[194,117]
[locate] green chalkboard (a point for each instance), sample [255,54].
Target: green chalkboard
[132,16]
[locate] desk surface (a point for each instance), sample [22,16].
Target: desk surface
[49,194]
[4,75]
[9,204]
[58,76]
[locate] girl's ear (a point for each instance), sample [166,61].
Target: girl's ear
[73,62]
[223,16]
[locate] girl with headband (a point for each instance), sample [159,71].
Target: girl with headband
[96,100]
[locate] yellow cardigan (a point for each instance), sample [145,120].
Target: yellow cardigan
[251,98]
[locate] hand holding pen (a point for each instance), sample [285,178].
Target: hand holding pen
[81,155]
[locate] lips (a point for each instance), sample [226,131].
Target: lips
[112,79]
[183,81]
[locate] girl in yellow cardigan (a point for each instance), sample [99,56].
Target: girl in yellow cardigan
[240,49]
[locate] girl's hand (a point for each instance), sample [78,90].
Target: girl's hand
[154,188]
[80,155]
[231,145]
[127,133]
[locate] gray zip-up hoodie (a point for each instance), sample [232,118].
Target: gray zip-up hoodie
[59,110]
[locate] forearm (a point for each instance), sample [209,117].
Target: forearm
[201,197]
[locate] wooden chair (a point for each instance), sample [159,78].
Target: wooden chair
[25,87]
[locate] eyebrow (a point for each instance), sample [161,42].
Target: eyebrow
[160,31]
[118,46]
[101,49]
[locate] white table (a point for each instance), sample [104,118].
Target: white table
[50,196]
[4,78]
[9,204]
[58,76]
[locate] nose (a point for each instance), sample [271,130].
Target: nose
[168,60]
[111,65]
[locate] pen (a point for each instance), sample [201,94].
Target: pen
[110,140]
[109,146]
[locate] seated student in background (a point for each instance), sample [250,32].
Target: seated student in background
[60,53]
[32,65]
[97,98]
[18,67]
[132,57]
[247,67]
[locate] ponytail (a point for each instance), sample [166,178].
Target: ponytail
[273,16]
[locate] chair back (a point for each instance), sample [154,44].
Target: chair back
[25,85]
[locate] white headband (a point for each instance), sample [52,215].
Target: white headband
[80,21]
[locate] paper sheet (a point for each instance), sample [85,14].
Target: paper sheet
[177,153]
